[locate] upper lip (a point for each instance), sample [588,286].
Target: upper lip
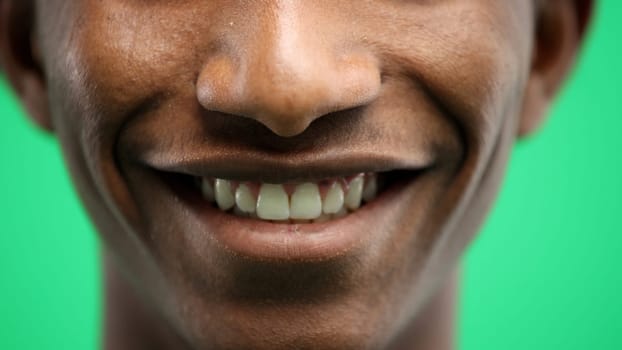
[248,166]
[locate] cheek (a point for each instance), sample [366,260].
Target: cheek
[471,56]
[131,55]
[111,60]
[471,59]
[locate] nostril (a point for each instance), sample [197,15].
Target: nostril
[287,92]
[284,128]
[289,111]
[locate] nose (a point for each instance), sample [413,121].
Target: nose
[286,75]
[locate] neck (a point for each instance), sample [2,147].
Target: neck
[433,329]
[129,325]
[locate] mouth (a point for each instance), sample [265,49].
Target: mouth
[309,213]
[297,203]
[294,203]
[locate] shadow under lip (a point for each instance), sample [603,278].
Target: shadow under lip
[296,283]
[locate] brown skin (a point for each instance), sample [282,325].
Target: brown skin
[449,83]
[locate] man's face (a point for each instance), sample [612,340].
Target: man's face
[153,100]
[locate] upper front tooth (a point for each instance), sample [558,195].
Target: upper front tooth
[333,201]
[224,194]
[355,192]
[306,202]
[207,190]
[272,203]
[244,199]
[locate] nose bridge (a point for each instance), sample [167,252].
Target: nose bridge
[286,80]
[288,74]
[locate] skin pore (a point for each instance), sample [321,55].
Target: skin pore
[148,97]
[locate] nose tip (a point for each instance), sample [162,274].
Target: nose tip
[286,94]
[288,109]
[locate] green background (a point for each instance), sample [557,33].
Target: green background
[545,273]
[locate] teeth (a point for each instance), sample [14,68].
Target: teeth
[207,190]
[355,192]
[371,188]
[244,199]
[237,211]
[322,218]
[224,194]
[306,202]
[333,201]
[272,203]
[341,213]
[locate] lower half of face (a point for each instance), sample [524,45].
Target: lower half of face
[288,175]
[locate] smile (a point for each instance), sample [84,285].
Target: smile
[286,211]
[306,202]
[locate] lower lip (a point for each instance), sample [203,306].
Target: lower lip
[265,240]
